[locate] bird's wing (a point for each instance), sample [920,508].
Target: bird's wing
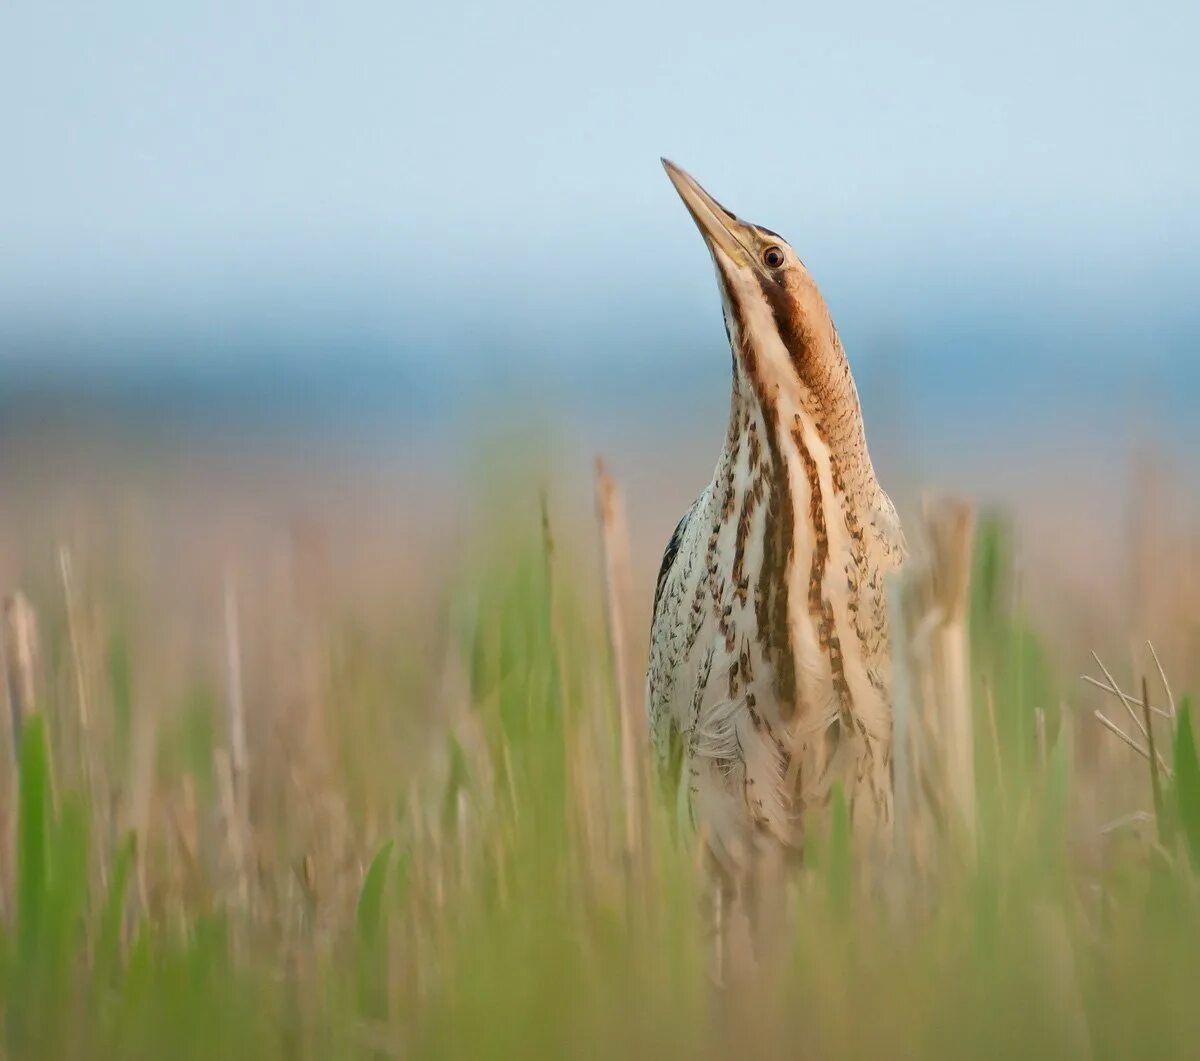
[889,535]
[669,559]
[664,728]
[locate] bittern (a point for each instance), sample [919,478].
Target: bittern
[769,661]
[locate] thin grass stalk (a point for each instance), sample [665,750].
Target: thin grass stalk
[1125,700]
[1155,781]
[235,701]
[236,803]
[87,746]
[1119,733]
[552,607]
[1128,703]
[235,839]
[989,699]
[1162,676]
[618,580]
[1119,694]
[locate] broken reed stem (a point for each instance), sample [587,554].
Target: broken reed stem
[1162,676]
[1128,702]
[1116,731]
[1123,698]
[1133,700]
[618,583]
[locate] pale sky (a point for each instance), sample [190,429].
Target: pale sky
[174,157]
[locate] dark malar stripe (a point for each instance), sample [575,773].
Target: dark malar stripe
[795,340]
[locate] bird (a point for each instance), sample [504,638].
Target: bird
[769,664]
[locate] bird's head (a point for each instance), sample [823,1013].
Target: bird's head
[773,310]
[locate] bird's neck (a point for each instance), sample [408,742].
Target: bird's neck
[817,389]
[796,507]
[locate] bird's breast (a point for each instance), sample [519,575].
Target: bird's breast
[803,586]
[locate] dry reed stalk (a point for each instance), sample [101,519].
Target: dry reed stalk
[188,822]
[87,747]
[20,664]
[236,803]
[1128,703]
[235,702]
[18,668]
[935,738]
[618,584]
[235,839]
[65,569]
[20,655]
[1162,675]
[1123,696]
[181,817]
[1119,733]
[1125,700]
[314,740]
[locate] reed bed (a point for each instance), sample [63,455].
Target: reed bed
[257,816]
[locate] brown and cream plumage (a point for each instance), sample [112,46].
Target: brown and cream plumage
[769,661]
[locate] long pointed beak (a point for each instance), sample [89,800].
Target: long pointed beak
[717,225]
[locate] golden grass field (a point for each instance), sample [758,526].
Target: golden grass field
[322,757]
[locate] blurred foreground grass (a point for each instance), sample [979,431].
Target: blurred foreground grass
[185,879]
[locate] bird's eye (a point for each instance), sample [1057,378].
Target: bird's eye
[773,257]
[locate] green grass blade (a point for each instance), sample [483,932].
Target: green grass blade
[372,936]
[32,838]
[1187,779]
[108,941]
[370,898]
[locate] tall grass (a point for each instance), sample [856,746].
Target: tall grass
[465,886]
